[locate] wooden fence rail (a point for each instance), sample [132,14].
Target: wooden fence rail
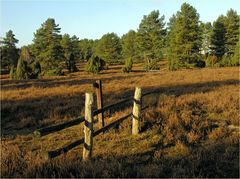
[47,130]
[96,112]
[87,140]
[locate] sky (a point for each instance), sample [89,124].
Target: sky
[94,18]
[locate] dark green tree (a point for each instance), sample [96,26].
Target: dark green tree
[232,31]
[9,51]
[22,71]
[47,48]
[218,38]
[129,45]
[95,65]
[86,49]
[109,48]
[151,37]
[184,39]
[27,67]
[72,63]
[69,49]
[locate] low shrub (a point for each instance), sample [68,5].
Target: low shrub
[95,65]
[128,65]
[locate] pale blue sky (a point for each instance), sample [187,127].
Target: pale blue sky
[93,18]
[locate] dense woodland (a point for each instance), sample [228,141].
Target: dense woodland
[184,41]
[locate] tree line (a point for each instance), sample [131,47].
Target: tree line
[184,41]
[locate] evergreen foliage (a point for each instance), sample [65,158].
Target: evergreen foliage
[72,63]
[151,38]
[150,64]
[232,23]
[86,49]
[69,49]
[186,42]
[95,65]
[22,70]
[9,51]
[128,65]
[26,68]
[47,48]
[109,48]
[129,45]
[218,39]
[184,39]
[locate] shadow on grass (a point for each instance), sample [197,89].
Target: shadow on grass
[215,160]
[41,108]
[48,83]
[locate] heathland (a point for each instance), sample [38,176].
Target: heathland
[190,130]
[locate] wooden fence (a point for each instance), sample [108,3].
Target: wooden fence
[88,120]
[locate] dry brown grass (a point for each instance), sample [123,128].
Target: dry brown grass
[185,132]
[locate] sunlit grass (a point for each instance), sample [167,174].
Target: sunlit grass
[185,132]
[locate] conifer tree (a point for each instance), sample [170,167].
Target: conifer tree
[184,39]
[151,37]
[69,49]
[109,48]
[95,65]
[129,45]
[9,51]
[232,30]
[47,49]
[22,70]
[218,38]
[86,49]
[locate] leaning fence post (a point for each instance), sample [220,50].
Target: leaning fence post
[136,111]
[88,127]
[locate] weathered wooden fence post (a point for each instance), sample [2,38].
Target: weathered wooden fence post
[88,127]
[136,111]
[98,86]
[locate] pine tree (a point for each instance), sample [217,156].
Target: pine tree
[129,48]
[69,49]
[72,63]
[9,51]
[75,47]
[184,39]
[218,38]
[86,49]
[232,30]
[47,48]
[151,37]
[109,48]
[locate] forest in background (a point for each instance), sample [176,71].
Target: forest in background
[184,41]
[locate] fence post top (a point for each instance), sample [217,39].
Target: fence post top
[88,98]
[138,91]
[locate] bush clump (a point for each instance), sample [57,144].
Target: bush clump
[95,65]
[25,70]
[128,65]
